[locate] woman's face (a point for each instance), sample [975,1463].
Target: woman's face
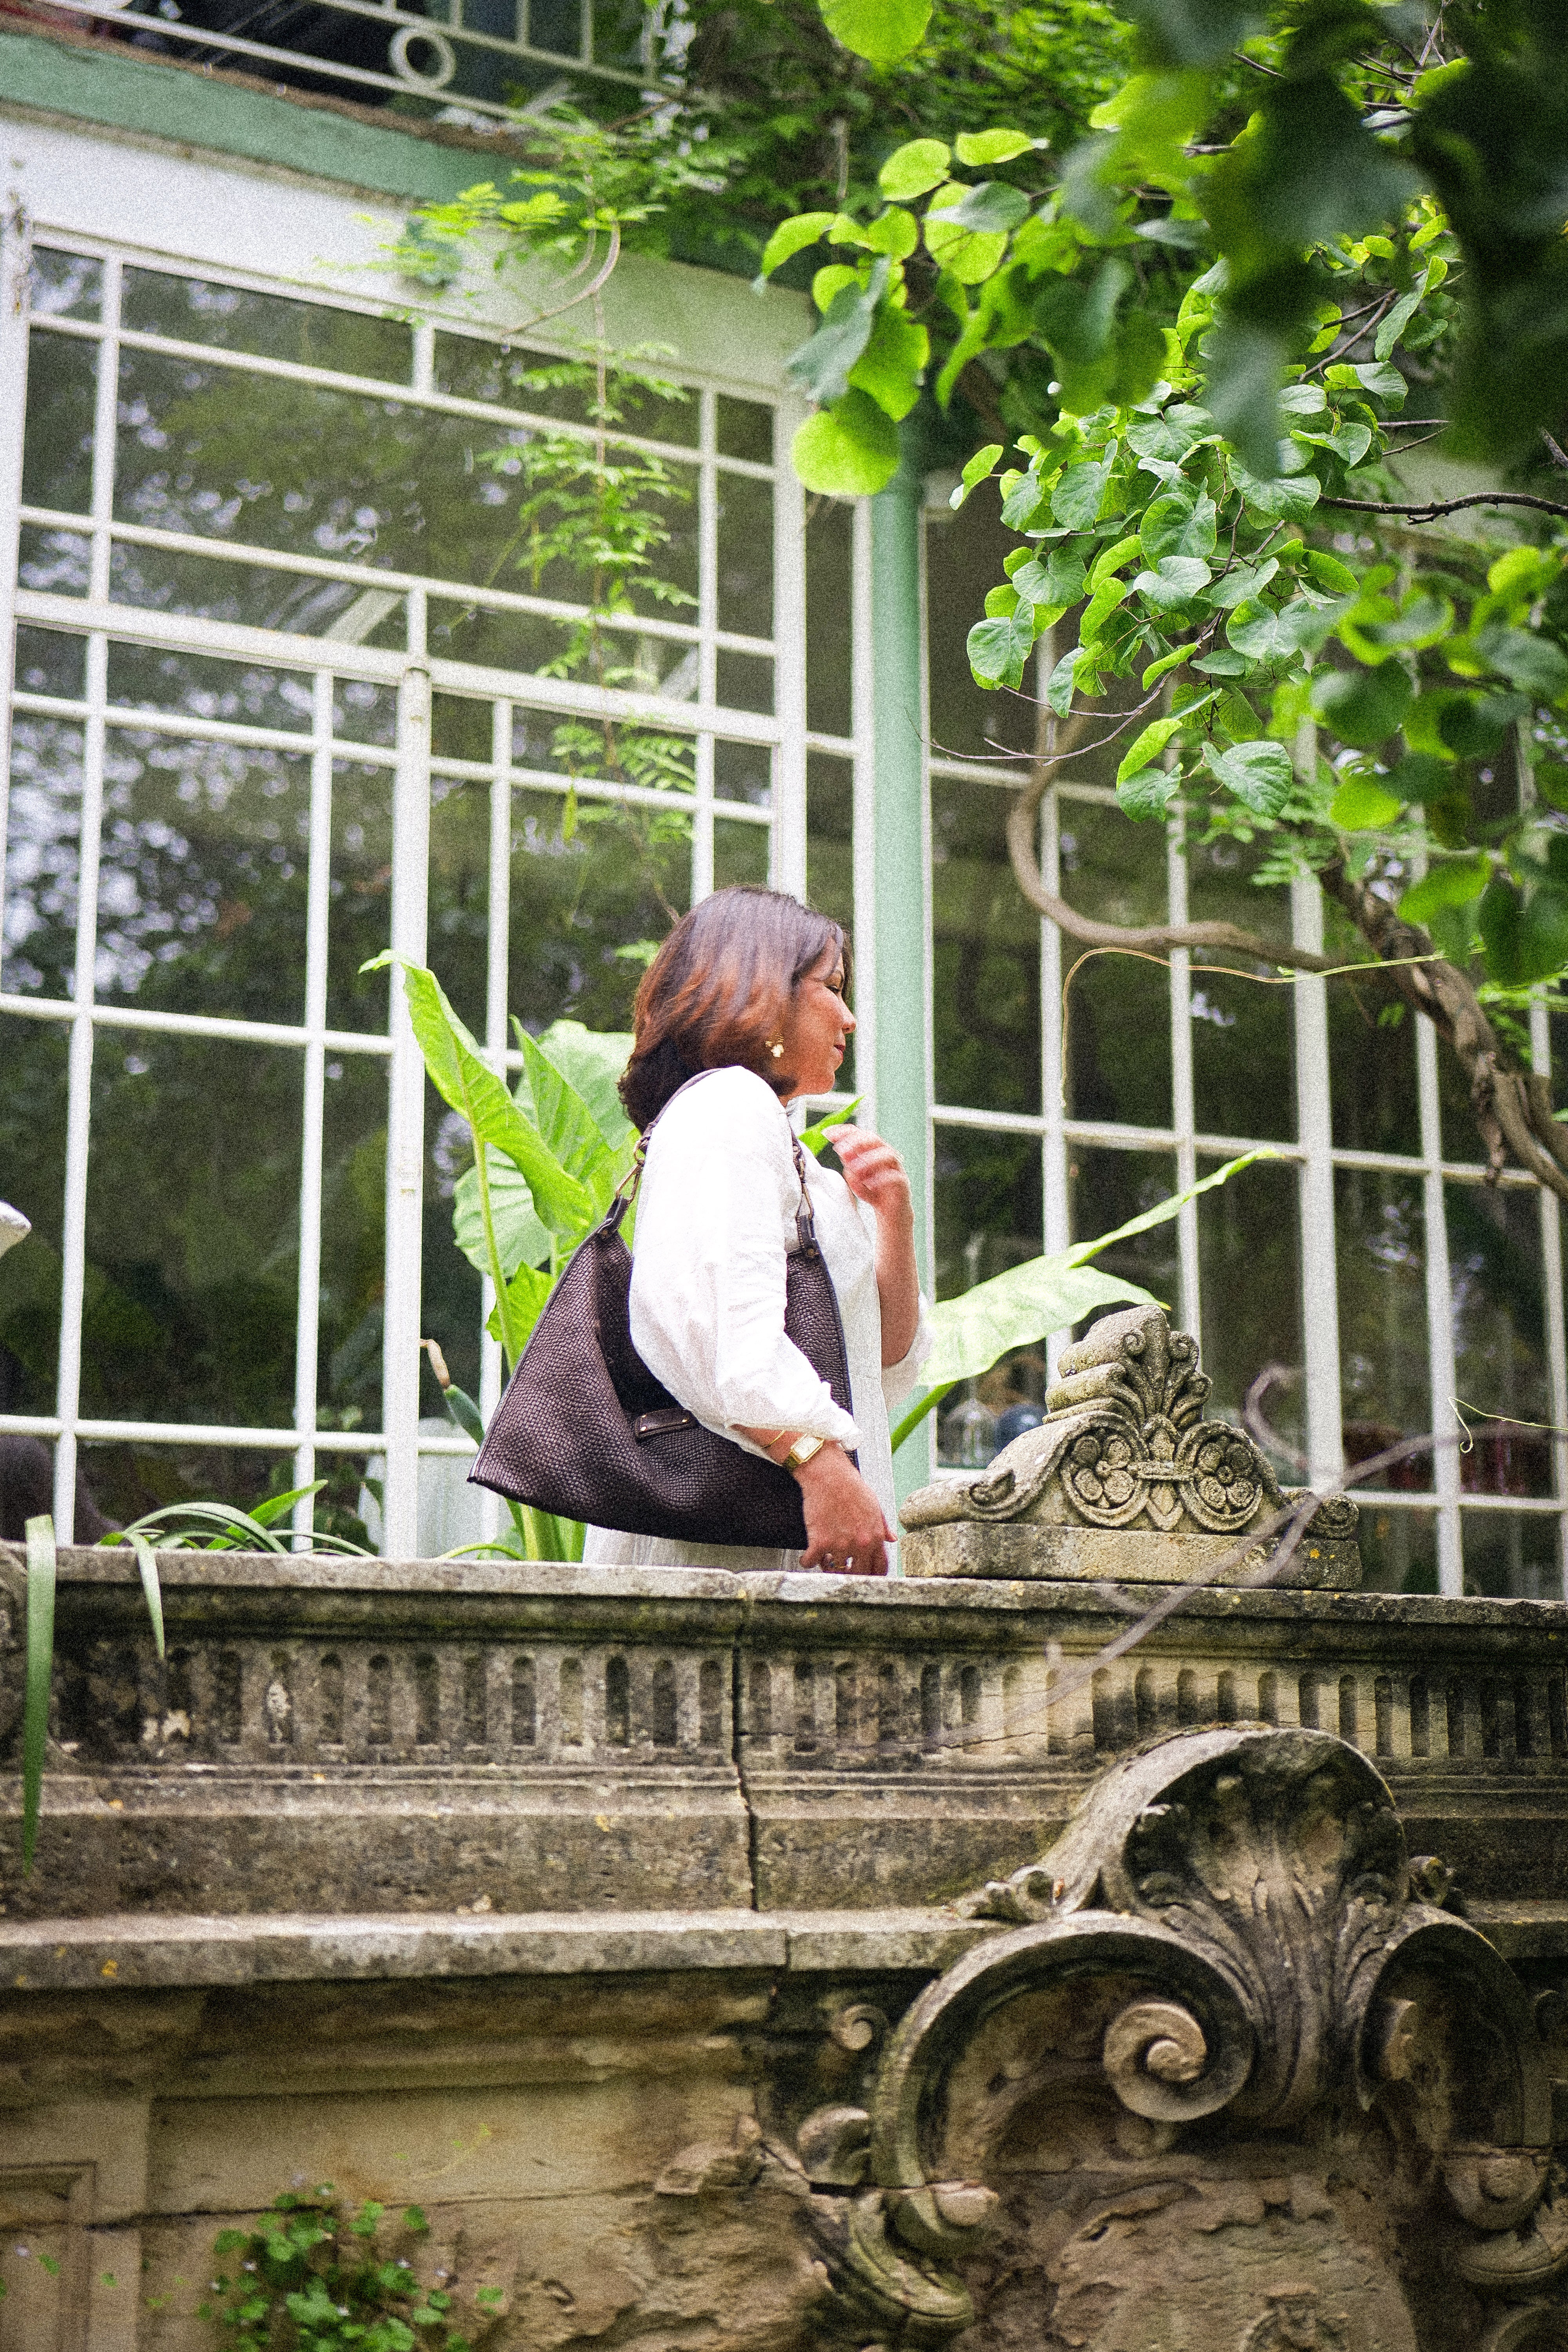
[815,1026]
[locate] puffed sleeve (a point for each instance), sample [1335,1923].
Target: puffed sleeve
[718,1201]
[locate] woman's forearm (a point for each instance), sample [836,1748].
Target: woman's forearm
[898,1287]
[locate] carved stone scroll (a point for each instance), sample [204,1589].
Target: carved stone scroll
[1224,2082]
[1124,1478]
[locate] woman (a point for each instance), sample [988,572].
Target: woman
[750,986]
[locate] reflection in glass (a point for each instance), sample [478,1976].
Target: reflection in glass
[192,1279]
[458,917]
[987,1218]
[831,860]
[590,906]
[744,771]
[745,555]
[1398,1550]
[740,854]
[1512,1554]
[353,1249]
[539,385]
[964,553]
[1117,1008]
[50,661]
[1382,1261]
[1250,1282]
[312,335]
[360,895]
[59,561]
[1244,1070]
[985,956]
[216,588]
[745,682]
[1373,1092]
[829,533]
[745,429]
[202,876]
[152,677]
[1499,1337]
[1107,1189]
[64,285]
[43,855]
[496,640]
[57,450]
[33,1155]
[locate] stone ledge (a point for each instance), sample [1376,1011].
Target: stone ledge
[134,1951]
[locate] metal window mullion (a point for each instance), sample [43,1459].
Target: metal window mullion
[406,1122]
[1441,1381]
[106,418]
[16,260]
[862,823]
[421,381]
[78,1108]
[307,1334]
[496,969]
[1183,1097]
[789,796]
[707,654]
[1552,1274]
[1057,1215]
[1320,1284]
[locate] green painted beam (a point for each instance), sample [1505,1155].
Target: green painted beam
[93,82]
[901,920]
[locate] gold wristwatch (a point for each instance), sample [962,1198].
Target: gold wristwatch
[801,1452]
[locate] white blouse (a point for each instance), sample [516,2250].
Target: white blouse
[715,1220]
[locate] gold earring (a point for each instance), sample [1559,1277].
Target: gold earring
[777,1050]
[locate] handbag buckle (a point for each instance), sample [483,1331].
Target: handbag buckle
[663,1419]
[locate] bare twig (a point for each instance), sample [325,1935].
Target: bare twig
[1430,511]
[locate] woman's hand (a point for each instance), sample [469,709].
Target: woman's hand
[844,1528]
[875,1174]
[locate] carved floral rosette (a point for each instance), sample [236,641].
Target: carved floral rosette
[1224,2083]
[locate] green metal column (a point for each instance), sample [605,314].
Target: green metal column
[900,1075]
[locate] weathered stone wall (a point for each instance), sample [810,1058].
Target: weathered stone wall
[603,1916]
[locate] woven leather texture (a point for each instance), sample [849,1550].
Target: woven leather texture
[562,1436]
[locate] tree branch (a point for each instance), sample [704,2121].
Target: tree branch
[1430,512]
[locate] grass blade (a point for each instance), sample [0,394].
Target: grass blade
[40,1533]
[147,1562]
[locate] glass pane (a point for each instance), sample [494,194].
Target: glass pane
[50,661]
[743,682]
[1243,1068]
[829,641]
[744,771]
[147,677]
[1382,1260]
[588,910]
[361,895]
[33,1055]
[363,713]
[745,555]
[1250,1275]
[1398,1550]
[1107,1189]
[493,640]
[985,956]
[57,561]
[202,877]
[964,553]
[830,858]
[448,1286]
[1512,1554]
[556,26]
[56,453]
[987,1218]
[192,1283]
[1118,1010]
[217,589]
[1371,1054]
[620,32]
[534,382]
[43,852]
[195,310]
[64,285]
[740,854]
[126,1480]
[458,922]
[1499,1337]
[745,429]
[353,1252]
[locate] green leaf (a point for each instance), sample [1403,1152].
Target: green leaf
[593,1061]
[1279,498]
[1454,883]
[569,1129]
[525,1296]
[981,466]
[1259,774]
[522,1238]
[41,1570]
[465,1414]
[1362,706]
[152,1591]
[991,208]
[1178,524]
[1147,747]
[998,648]
[821,367]
[1532,664]
[1193,31]
[912,169]
[880,30]
[893,366]
[850,450]
[1362,805]
[793,236]
[1264,635]
[815,1139]
[1060,685]
[1174,582]
[975,149]
[1543,932]
[1241,584]
[1149,791]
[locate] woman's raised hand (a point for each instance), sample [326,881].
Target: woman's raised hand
[846,1531]
[874,1172]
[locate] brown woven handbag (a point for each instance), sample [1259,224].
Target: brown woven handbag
[587,1431]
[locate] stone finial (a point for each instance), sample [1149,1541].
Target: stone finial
[1123,1479]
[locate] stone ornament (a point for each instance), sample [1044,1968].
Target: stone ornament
[1123,1450]
[1224,2082]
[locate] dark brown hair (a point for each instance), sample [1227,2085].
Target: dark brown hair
[718,990]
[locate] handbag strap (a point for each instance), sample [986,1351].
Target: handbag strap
[630,1183]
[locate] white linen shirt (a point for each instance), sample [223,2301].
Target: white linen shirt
[715,1221]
